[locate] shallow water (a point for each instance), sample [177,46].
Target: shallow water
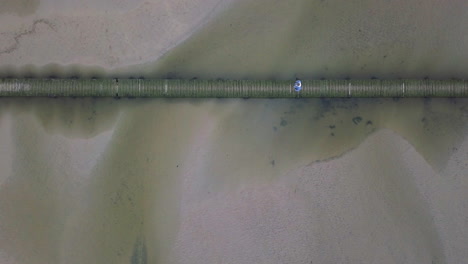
[327,39]
[265,39]
[94,180]
[236,181]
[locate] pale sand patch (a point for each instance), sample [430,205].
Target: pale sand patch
[264,39]
[104,33]
[149,178]
[78,188]
[358,208]
[21,7]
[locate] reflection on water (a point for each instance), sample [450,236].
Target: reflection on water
[106,177]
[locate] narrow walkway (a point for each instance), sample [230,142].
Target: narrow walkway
[232,88]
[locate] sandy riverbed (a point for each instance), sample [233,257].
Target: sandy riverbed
[234,181]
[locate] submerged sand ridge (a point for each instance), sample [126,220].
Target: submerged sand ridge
[278,178]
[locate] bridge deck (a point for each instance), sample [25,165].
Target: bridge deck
[231,88]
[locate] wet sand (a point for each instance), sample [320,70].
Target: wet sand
[234,181]
[232,39]
[90,38]
[327,39]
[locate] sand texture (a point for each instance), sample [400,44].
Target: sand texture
[264,39]
[233,181]
[145,181]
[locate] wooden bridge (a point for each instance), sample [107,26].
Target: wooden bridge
[230,88]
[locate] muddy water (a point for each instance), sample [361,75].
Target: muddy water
[91,180]
[327,39]
[244,181]
[265,39]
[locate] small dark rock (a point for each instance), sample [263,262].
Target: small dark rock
[357,120]
[283,122]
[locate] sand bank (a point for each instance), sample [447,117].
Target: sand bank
[264,39]
[358,208]
[100,34]
[236,181]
